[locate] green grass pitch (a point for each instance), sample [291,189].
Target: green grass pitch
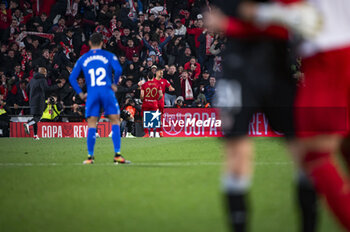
[172,185]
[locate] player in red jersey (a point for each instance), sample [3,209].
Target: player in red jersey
[164,83]
[151,93]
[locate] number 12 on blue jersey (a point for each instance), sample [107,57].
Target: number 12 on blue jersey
[97,77]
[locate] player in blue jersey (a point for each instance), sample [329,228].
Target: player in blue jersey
[97,66]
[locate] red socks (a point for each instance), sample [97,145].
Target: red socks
[329,183]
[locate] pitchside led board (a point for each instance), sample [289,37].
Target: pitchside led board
[176,122]
[151,119]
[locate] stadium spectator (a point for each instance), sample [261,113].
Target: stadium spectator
[173,77]
[128,116]
[4,117]
[186,86]
[180,29]
[209,91]
[204,79]
[43,60]
[18,97]
[76,106]
[53,35]
[126,89]
[194,67]
[42,21]
[179,102]
[200,102]
[5,19]
[184,56]
[131,49]
[174,49]
[77,113]
[156,49]
[196,29]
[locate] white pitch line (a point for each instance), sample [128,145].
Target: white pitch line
[160,164]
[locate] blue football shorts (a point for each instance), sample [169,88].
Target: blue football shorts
[101,99]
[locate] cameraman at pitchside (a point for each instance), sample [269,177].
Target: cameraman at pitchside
[37,88]
[52,110]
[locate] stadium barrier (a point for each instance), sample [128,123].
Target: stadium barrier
[184,122]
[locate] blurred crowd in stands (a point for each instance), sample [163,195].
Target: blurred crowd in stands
[144,34]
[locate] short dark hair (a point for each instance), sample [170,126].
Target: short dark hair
[150,75]
[96,39]
[54,95]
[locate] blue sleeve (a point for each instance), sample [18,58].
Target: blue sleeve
[140,5]
[165,42]
[74,76]
[117,68]
[147,44]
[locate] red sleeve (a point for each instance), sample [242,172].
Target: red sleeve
[122,47]
[193,31]
[90,22]
[9,16]
[197,71]
[139,47]
[14,90]
[27,18]
[187,65]
[288,1]
[237,28]
[143,86]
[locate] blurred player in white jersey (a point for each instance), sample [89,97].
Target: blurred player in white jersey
[322,106]
[322,103]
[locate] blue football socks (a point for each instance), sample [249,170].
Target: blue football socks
[91,139]
[116,138]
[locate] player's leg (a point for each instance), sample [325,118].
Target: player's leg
[345,151]
[237,174]
[345,144]
[237,179]
[116,138]
[33,122]
[146,130]
[149,132]
[160,129]
[130,127]
[91,139]
[281,119]
[92,112]
[239,167]
[111,107]
[307,198]
[319,164]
